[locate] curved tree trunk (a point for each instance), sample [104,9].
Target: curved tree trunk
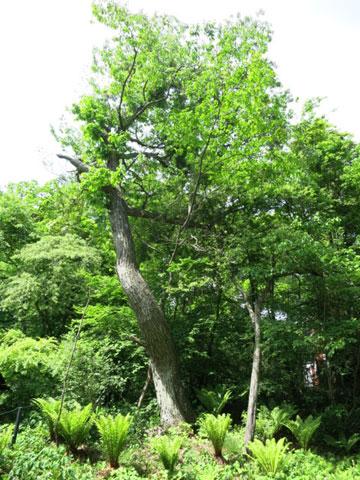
[255,374]
[173,404]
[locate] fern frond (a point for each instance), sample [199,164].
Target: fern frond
[216,428]
[168,450]
[303,430]
[270,456]
[113,433]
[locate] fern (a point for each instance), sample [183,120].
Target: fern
[343,443]
[49,409]
[208,472]
[216,428]
[214,400]
[271,456]
[168,450]
[113,434]
[303,430]
[74,426]
[5,437]
[269,422]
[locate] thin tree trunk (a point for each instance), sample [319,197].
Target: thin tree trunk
[145,387]
[255,374]
[172,401]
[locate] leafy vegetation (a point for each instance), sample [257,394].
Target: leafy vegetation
[113,433]
[215,428]
[168,450]
[233,227]
[5,437]
[74,426]
[50,409]
[303,430]
[270,456]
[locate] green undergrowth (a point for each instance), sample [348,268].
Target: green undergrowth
[35,457]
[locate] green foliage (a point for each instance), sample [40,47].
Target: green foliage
[270,456]
[33,458]
[208,472]
[5,437]
[303,430]
[214,400]
[269,422]
[49,409]
[343,443]
[48,281]
[306,465]
[113,434]
[215,428]
[181,116]
[28,366]
[74,426]
[168,450]
[233,447]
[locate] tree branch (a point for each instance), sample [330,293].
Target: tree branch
[78,164]
[123,89]
[132,211]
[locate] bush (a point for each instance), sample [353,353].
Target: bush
[215,429]
[28,367]
[168,450]
[303,430]
[113,434]
[270,456]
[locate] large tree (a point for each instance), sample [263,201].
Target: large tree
[170,104]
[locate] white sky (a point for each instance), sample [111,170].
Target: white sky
[45,53]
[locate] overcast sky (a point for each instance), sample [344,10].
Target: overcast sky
[45,53]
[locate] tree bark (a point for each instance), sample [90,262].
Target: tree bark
[254,312]
[172,401]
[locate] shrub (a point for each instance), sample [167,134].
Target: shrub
[270,456]
[113,434]
[28,367]
[168,450]
[215,429]
[49,409]
[74,426]
[303,430]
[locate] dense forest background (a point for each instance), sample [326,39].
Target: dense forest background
[245,221]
